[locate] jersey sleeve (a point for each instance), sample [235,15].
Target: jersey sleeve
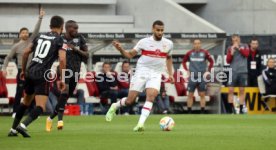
[210,59]
[10,56]
[186,59]
[229,56]
[139,46]
[36,29]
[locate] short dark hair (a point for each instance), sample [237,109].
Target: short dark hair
[68,23]
[56,22]
[254,39]
[23,29]
[106,63]
[158,22]
[125,62]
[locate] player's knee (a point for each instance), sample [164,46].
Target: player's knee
[151,97]
[42,107]
[190,95]
[27,102]
[202,94]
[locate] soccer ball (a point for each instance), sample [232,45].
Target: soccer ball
[166,123]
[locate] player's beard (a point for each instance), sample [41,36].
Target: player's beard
[74,35]
[157,38]
[24,38]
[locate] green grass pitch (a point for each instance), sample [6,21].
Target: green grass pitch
[192,132]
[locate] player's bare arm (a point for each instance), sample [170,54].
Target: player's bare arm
[8,58]
[83,52]
[37,26]
[27,52]
[169,63]
[128,54]
[62,65]
[41,13]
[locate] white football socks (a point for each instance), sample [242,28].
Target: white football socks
[120,103]
[145,112]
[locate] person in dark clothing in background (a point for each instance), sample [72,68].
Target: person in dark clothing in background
[254,63]
[163,101]
[269,76]
[124,79]
[108,85]
[237,55]
[198,68]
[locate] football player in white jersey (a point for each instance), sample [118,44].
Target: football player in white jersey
[155,57]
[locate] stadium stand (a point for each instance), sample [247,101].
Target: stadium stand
[102,16]
[97,2]
[4,100]
[92,88]
[191,1]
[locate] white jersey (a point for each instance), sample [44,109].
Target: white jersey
[153,54]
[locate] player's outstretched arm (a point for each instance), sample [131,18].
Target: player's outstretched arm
[83,52]
[128,54]
[38,24]
[169,67]
[9,57]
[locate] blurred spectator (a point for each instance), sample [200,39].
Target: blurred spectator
[86,108]
[163,101]
[269,76]
[107,83]
[51,103]
[254,63]
[198,59]
[237,55]
[123,79]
